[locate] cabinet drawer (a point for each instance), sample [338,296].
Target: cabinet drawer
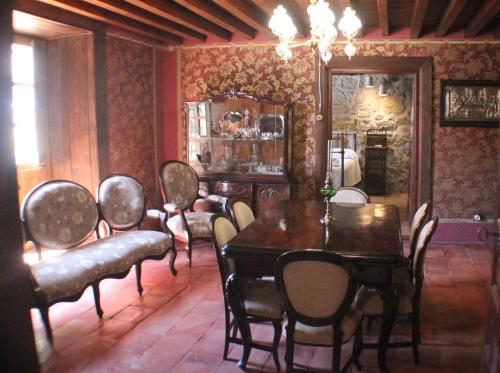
[236,191]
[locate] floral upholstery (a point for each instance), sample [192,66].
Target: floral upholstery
[60,214]
[198,224]
[122,202]
[67,274]
[323,335]
[180,184]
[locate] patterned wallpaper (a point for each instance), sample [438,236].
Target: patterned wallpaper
[130,96]
[464,159]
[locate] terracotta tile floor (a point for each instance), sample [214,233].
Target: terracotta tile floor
[178,323]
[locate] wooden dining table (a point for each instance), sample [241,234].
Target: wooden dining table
[369,235]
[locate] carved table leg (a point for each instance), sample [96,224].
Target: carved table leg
[235,295]
[391,304]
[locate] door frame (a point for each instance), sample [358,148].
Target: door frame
[420,183]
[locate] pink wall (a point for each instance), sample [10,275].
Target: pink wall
[167,109]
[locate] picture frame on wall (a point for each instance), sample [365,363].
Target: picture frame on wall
[470,103]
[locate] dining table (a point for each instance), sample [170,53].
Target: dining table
[369,235]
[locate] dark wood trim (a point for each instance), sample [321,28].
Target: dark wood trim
[248,12]
[139,14]
[57,14]
[488,10]
[219,16]
[383,16]
[451,13]
[18,352]
[176,13]
[417,19]
[421,155]
[100,79]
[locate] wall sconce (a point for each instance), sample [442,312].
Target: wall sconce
[368,81]
[382,91]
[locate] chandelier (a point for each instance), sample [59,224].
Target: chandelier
[323,31]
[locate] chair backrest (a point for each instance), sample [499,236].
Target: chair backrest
[222,231]
[241,214]
[316,287]
[416,225]
[424,236]
[350,195]
[59,214]
[122,201]
[180,184]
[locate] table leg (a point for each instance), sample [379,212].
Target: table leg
[235,294]
[391,304]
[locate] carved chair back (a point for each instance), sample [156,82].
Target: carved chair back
[424,236]
[59,214]
[416,224]
[350,195]
[122,201]
[241,214]
[316,287]
[179,183]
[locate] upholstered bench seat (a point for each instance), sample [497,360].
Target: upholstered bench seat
[198,224]
[67,274]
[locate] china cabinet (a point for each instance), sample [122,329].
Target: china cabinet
[240,146]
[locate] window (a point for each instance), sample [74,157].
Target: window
[23,105]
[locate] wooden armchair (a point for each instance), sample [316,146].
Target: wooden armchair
[180,188]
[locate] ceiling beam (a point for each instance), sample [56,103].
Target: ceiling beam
[248,12]
[417,19]
[450,15]
[140,15]
[294,11]
[57,15]
[219,16]
[120,22]
[176,13]
[383,16]
[489,10]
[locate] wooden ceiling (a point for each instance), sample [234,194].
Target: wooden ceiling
[172,22]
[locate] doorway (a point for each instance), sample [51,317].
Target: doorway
[420,68]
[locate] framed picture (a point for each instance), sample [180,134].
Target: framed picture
[470,103]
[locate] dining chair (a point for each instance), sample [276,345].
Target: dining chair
[409,293]
[180,186]
[350,195]
[241,214]
[416,225]
[317,289]
[261,303]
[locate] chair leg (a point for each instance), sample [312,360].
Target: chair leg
[172,260]
[190,250]
[415,337]
[44,312]
[97,299]
[358,346]
[226,334]
[276,342]
[369,323]
[138,271]
[235,329]
[289,348]
[337,347]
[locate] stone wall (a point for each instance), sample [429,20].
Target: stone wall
[358,108]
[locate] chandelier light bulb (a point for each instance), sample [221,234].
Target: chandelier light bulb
[349,24]
[350,50]
[284,51]
[326,56]
[282,25]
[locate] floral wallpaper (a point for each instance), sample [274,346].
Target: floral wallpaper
[130,96]
[464,159]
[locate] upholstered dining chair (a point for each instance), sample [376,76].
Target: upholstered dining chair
[262,303]
[409,292]
[180,186]
[317,289]
[241,214]
[416,225]
[350,195]
[122,204]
